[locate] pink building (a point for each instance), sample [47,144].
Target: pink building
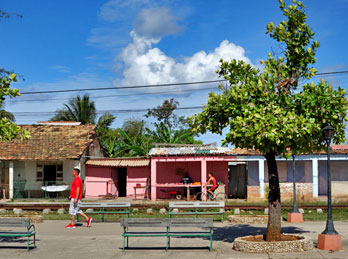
[117,176]
[243,173]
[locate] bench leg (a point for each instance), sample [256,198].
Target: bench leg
[34,240]
[211,240]
[127,242]
[124,238]
[167,243]
[28,243]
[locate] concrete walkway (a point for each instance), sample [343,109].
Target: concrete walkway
[104,240]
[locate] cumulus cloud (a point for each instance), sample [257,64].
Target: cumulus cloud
[156,22]
[146,64]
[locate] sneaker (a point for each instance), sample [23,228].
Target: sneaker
[89,222]
[70,226]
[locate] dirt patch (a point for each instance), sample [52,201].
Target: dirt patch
[262,238]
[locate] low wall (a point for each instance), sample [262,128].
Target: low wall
[304,192]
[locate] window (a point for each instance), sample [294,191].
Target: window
[59,172]
[39,172]
[44,171]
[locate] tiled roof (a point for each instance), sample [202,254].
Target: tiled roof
[119,162]
[49,142]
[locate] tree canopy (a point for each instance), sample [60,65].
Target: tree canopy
[276,109]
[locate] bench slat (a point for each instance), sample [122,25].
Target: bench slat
[12,222]
[140,222]
[189,222]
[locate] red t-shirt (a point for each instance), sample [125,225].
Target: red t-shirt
[76,183]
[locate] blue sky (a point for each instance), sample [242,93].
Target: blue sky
[91,44]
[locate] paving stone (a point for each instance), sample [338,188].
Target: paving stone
[149,211]
[265,211]
[135,210]
[236,211]
[162,211]
[301,210]
[320,211]
[3,211]
[175,210]
[89,210]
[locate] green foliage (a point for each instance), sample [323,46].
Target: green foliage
[8,129]
[78,109]
[268,110]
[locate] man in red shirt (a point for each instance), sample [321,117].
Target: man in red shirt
[75,199]
[212,181]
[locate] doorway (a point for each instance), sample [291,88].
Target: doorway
[122,182]
[237,181]
[50,174]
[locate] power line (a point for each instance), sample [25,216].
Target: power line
[109,96]
[103,111]
[157,85]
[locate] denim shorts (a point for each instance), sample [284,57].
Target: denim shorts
[74,207]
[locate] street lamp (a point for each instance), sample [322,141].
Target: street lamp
[294,207]
[329,131]
[329,239]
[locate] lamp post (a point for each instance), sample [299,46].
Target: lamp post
[329,239]
[295,216]
[294,206]
[329,131]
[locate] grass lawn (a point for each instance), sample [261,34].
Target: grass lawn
[309,215]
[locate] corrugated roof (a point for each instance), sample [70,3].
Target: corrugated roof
[49,142]
[119,162]
[210,150]
[190,150]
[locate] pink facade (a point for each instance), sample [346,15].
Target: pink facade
[169,170]
[100,181]
[138,176]
[103,180]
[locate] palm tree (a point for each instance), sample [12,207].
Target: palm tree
[78,109]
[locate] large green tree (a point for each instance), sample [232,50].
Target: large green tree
[276,108]
[8,129]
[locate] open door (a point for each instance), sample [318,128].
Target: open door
[122,182]
[237,181]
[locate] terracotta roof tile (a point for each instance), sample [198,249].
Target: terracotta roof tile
[49,142]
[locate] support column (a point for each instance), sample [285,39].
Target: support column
[153,179]
[315,176]
[204,173]
[10,172]
[262,177]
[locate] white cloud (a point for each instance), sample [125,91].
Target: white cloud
[145,64]
[61,69]
[156,22]
[119,10]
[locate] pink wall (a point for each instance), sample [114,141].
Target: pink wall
[98,180]
[137,175]
[167,173]
[220,171]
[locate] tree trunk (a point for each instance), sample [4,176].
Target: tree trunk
[274,206]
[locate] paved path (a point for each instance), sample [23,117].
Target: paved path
[103,240]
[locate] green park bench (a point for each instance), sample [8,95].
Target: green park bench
[7,225]
[131,228]
[197,208]
[103,208]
